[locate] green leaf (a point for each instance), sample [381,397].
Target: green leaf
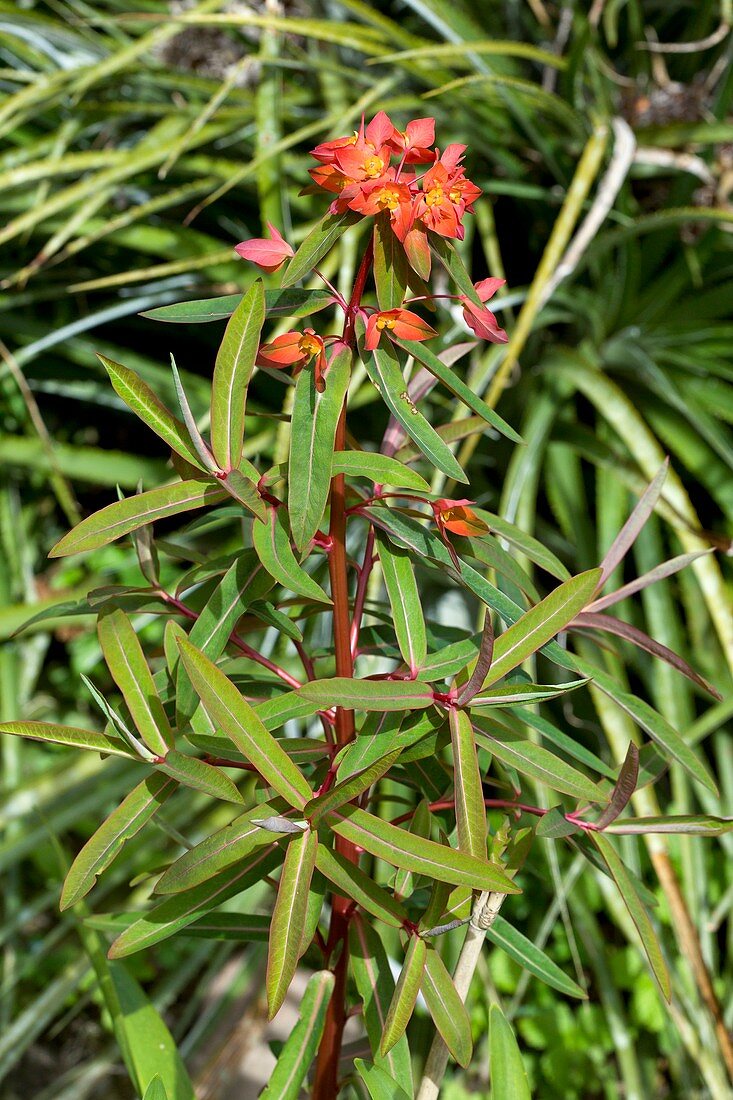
[315,246]
[383,367]
[457,386]
[541,623]
[243,582]
[69,735]
[378,468]
[233,369]
[277,711]
[314,420]
[637,910]
[531,958]
[227,709]
[350,788]
[654,723]
[141,399]
[419,825]
[379,1083]
[288,917]
[359,886]
[523,694]
[448,255]
[242,489]
[535,761]
[424,857]
[177,912]
[446,1008]
[200,776]
[126,661]
[300,1047]
[375,985]
[469,795]
[404,598]
[155,1090]
[218,851]
[390,264]
[271,541]
[405,994]
[691,824]
[341,691]
[526,544]
[104,846]
[127,515]
[508,1075]
[279,302]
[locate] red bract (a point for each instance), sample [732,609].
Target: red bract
[446,195]
[386,195]
[456,516]
[415,144]
[295,348]
[269,254]
[481,320]
[404,324]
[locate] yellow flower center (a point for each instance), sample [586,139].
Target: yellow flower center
[385,322]
[388,199]
[373,167]
[455,195]
[434,197]
[309,345]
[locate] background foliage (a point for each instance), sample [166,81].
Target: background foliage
[135,153]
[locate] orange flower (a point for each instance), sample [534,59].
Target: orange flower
[386,195]
[295,349]
[446,195]
[416,141]
[404,324]
[481,320]
[456,516]
[267,254]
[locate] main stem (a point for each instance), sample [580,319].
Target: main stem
[325,1084]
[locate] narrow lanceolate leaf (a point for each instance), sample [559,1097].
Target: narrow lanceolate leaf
[200,776]
[235,362]
[541,623]
[124,822]
[199,443]
[245,491]
[404,598]
[126,661]
[300,1047]
[288,917]
[378,468]
[483,662]
[535,761]
[340,691]
[127,515]
[508,1075]
[405,994]
[375,985]
[217,852]
[666,569]
[380,1085]
[627,536]
[530,957]
[424,857]
[446,1008]
[315,246]
[69,735]
[228,710]
[383,367]
[312,433]
[138,396]
[350,788]
[624,788]
[691,824]
[650,720]
[243,582]
[448,255]
[271,541]
[637,910]
[522,694]
[420,825]
[469,795]
[457,386]
[278,303]
[390,265]
[354,883]
[176,913]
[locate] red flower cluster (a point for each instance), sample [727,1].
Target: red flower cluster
[358,170]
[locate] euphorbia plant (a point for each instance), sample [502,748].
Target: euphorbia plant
[315,745]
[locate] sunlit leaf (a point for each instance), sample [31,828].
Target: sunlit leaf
[405,994]
[300,1047]
[404,598]
[446,1008]
[234,365]
[286,927]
